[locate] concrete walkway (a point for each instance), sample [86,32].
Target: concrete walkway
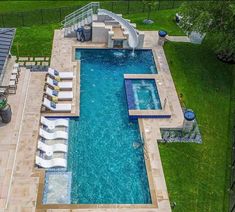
[9,135]
[184,39]
[18,187]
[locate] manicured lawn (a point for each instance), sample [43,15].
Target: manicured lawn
[197,175]
[34,41]
[163,20]
[37,40]
[21,6]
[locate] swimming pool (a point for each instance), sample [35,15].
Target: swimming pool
[106,155]
[142,94]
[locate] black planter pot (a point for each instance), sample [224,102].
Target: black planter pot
[6,114]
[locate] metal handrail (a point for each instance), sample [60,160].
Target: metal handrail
[79,18]
[84,8]
[94,6]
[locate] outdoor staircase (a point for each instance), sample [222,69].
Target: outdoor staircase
[89,13]
[79,18]
[133,35]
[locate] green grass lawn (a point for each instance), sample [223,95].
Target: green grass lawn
[163,19]
[197,175]
[22,6]
[34,41]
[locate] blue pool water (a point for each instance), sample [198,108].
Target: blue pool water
[146,95]
[105,153]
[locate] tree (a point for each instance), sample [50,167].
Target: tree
[217,20]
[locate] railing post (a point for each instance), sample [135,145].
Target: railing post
[159,4]
[42,16]
[233,163]
[173,4]
[231,187]
[232,209]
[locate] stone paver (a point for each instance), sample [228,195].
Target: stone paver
[22,190]
[9,134]
[45,63]
[39,59]
[19,168]
[23,58]
[178,39]
[30,63]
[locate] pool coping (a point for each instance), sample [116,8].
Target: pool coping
[160,189]
[164,112]
[75,112]
[24,184]
[153,195]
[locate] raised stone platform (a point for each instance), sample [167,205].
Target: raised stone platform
[164,112]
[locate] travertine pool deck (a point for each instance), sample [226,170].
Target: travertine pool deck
[19,184]
[165,111]
[75,112]
[21,181]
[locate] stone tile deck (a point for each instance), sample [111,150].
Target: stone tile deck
[20,181]
[9,135]
[184,39]
[19,185]
[75,112]
[165,111]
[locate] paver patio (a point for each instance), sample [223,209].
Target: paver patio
[19,179]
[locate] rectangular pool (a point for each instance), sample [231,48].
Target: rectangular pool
[106,155]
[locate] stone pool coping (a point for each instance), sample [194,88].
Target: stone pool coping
[19,138]
[164,112]
[157,185]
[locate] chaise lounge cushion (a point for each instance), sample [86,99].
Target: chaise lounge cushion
[53,104]
[55,82]
[55,93]
[56,73]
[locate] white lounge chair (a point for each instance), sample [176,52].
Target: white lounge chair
[53,135]
[61,95]
[52,124]
[56,107]
[61,85]
[55,162]
[61,74]
[50,149]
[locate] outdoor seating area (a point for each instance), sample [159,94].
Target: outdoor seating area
[52,143]
[59,91]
